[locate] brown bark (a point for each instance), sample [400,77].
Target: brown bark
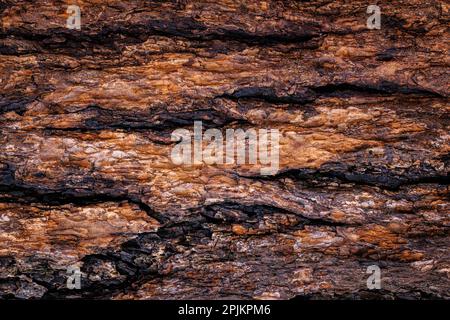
[86,177]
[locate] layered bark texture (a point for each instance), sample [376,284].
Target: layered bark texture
[86,177]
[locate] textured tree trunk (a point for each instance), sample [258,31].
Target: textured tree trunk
[86,178]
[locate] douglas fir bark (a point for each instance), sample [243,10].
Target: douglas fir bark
[86,177]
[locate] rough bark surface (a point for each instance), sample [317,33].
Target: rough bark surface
[86,177]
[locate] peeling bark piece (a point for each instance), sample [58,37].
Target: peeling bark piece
[64,234]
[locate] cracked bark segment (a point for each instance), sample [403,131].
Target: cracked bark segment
[176,70]
[66,233]
[40,242]
[132,163]
[85,170]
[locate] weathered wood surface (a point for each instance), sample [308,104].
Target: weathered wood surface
[86,178]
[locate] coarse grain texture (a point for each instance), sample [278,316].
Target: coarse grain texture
[86,177]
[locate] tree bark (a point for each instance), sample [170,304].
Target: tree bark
[86,179]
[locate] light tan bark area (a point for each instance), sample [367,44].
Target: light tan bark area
[87,180]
